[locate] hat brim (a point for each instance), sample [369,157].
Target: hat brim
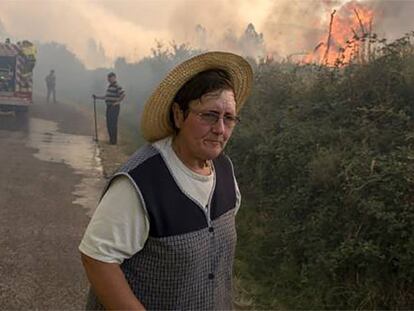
[155,119]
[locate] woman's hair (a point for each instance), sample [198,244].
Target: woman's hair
[202,83]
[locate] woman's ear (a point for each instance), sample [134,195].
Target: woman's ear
[178,115]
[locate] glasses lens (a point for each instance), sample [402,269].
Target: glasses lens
[231,121]
[209,117]
[212,118]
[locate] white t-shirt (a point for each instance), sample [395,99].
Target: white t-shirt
[119,227]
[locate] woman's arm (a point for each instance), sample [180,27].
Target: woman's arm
[109,285]
[120,216]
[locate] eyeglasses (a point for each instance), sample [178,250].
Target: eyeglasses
[212,118]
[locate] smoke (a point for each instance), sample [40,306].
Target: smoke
[295,26]
[99,32]
[393,18]
[87,28]
[3,32]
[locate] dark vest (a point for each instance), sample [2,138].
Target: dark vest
[187,261]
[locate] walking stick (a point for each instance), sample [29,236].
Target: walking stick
[94,114]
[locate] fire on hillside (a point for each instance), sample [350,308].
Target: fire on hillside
[349,38]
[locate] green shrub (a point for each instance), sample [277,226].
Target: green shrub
[324,158]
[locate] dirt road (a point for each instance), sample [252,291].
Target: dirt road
[50,179]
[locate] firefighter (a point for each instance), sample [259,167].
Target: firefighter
[29,52]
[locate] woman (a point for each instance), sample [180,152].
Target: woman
[163,236]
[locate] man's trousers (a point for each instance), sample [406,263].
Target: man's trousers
[112,113]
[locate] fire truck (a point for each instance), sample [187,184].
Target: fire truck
[16,76]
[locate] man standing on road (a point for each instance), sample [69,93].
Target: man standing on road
[113,97]
[51,86]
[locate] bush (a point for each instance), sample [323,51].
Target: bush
[324,158]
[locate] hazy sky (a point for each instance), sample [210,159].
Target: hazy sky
[99,31]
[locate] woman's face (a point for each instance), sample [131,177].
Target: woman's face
[203,138]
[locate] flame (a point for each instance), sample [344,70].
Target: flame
[348,36]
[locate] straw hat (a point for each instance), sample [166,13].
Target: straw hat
[155,121]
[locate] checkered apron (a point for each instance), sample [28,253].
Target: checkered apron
[184,271]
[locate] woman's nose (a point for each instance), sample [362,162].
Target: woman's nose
[219,126]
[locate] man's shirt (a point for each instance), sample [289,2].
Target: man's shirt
[114,93]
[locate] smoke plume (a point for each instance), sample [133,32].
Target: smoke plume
[99,32]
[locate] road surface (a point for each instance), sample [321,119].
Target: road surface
[50,179]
